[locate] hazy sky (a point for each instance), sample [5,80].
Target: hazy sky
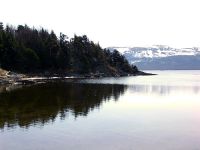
[112,22]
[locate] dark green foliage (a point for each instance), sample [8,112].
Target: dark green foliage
[26,49]
[29,58]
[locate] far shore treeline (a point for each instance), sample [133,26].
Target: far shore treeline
[30,50]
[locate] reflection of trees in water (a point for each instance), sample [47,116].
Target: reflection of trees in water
[162,89]
[43,103]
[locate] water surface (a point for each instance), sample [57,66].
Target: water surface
[130,113]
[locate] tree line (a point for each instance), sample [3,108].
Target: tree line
[31,50]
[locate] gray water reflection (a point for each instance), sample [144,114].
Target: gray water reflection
[134,113]
[163,90]
[40,104]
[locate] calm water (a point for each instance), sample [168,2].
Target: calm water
[132,113]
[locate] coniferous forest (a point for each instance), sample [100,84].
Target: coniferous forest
[30,50]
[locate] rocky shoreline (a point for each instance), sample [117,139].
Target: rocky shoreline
[12,78]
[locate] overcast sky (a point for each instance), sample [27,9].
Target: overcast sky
[112,22]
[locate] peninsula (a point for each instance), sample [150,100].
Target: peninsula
[29,52]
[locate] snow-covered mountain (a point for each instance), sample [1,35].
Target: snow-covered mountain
[161,57]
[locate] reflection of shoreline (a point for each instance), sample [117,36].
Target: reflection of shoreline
[162,89]
[40,104]
[10,87]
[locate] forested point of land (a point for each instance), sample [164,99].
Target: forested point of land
[29,50]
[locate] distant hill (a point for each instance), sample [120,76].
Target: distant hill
[161,57]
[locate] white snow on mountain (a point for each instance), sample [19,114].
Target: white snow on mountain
[160,51]
[159,56]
